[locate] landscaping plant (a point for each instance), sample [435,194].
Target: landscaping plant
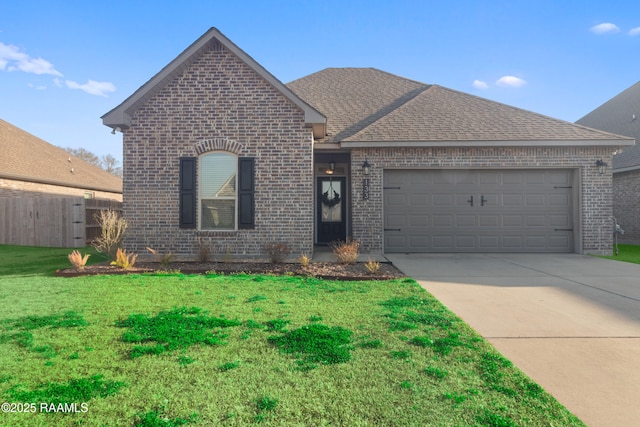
[124,260]
[113,227]
[277,251]
[346,252]
[372,266]
[77,260]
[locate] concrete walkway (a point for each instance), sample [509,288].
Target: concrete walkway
[570,322]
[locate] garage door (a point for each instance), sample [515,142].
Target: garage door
[478,210]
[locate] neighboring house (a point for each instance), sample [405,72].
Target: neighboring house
[218,152]
[30,166]
[621,115]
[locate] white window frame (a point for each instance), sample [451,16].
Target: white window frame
[202,197]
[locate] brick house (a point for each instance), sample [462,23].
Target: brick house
[621,115]
[218,152]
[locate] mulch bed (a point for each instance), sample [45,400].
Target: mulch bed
[322,270]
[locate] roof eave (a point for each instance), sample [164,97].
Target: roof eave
[626,169]
[120,116]
[61,183]
[493,143]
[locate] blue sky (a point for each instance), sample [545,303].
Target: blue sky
[64,64]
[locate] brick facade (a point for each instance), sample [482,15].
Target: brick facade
[218,103]
[595,200]
[626,204]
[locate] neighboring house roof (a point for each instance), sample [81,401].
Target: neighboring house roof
[28,158]
[621,115]
[120,117]
[369,107]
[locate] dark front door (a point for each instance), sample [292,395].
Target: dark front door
[331,209]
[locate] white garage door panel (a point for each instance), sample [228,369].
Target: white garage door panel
[478,210]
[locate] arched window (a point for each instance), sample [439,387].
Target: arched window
[217,191]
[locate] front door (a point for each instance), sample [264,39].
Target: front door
[331,210]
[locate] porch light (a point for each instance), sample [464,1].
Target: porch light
[366,168]
[602,166]
[332,168]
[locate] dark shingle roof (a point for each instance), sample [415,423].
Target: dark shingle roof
[365,105]
[621,115]
[28,158]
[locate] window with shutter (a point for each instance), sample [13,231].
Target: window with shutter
[220,187]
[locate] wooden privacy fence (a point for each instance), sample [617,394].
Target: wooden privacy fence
[63,222]
[92,208]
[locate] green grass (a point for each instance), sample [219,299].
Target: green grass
[28,261]
[626,253]
[224,350]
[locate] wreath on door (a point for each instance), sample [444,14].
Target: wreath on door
[330,202]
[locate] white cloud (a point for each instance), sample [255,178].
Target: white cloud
[479,84]
[510,81]
[92,87]
[604,28]
[12,59]
[37,87]
[634,31]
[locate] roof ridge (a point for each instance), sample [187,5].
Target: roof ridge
[381,113]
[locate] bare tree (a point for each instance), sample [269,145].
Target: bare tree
[111,165]
[85,155]
[107,163]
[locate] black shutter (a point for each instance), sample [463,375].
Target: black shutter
[246,190]
[188,196]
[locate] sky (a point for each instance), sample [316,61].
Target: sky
[64,64]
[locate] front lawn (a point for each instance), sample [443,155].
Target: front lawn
[168,350]
[626,253]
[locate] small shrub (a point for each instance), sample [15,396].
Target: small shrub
[204,252]
[77,260]
[112,227]
[304,260]
[346,252]
[277,251]
[372,266]
[164,259]
[124,260]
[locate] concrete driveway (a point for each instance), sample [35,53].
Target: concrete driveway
[571,322]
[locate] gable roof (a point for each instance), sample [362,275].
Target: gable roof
[369,107]
[121,115]
[621,115]
[28,158]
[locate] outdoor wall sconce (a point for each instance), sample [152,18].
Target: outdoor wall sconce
[332,168]
[602,166]
[366,170]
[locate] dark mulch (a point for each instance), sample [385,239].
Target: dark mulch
[323,270]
